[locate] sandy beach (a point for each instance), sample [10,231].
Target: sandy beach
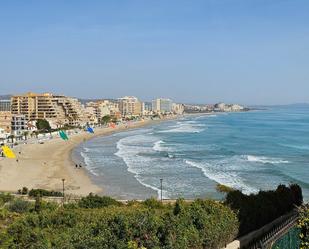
[45,165]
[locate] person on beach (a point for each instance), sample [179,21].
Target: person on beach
[76,166]
[80,165]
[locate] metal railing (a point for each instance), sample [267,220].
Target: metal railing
[266,241]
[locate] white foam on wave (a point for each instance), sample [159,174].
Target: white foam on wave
[88,163]
[263,159]
[221,176]
[157,146]
[185,127]
[129,149]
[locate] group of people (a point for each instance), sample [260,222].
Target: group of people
[78,166]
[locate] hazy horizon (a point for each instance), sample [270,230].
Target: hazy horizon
[247,52]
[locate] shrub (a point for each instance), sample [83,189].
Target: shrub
[95,201]
[153,203]
[19,206]
[223,189]
[24,191]
[4,198]
[200,224]
[303,224]
[256,210]
[43,192]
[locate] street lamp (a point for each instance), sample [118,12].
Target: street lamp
[63,188]
[161,180]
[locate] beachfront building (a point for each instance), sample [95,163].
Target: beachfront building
[130,106]
[162,105]
[102,108]
[5,105]
[222,107]
[19,124]
[178,109]
[91,114]
[147,109]
[57,109]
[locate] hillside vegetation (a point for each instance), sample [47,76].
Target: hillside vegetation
[99,222]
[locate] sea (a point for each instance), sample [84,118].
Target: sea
[249,151]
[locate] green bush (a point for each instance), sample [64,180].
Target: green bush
[95,201]
[200,224]
[303,224]
[256,210]
[153,203]
[4,198]
[19,206]
[43,192]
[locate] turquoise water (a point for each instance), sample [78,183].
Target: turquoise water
[248,151]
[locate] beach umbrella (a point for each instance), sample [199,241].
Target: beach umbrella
[63,135]
[90,130]
[8,152]
[112,125]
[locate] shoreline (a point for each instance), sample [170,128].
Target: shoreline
[45,165]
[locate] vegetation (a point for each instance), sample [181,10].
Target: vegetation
[223,188]
[43,192]
[95,201]
[5,198]
[43,125]
[303,224]
[151,224]
[106,119]
[102,222]
[256,210]
[23,191]
[19,206]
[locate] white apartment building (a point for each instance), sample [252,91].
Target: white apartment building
[162,105]
[19,124]
[130,106]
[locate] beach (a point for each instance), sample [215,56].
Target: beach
[45,165]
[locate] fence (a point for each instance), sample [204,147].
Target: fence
[274,236]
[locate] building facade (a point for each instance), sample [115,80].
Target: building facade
[19,124]
[130,106]
[178,109]
[57,109]
[5,105]
[162,105]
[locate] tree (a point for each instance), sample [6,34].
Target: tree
[12,138]
[43,125]
[106,119]
[26,133]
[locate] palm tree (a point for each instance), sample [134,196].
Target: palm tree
[11,137]
[26,133]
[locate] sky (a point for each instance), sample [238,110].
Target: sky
[192,51]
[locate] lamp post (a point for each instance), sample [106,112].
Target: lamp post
[161,180]
[63,189]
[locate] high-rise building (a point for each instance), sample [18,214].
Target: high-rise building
[130,106]
[57,109]
[162,105]
[5,105]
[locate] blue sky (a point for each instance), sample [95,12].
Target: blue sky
[249,51]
